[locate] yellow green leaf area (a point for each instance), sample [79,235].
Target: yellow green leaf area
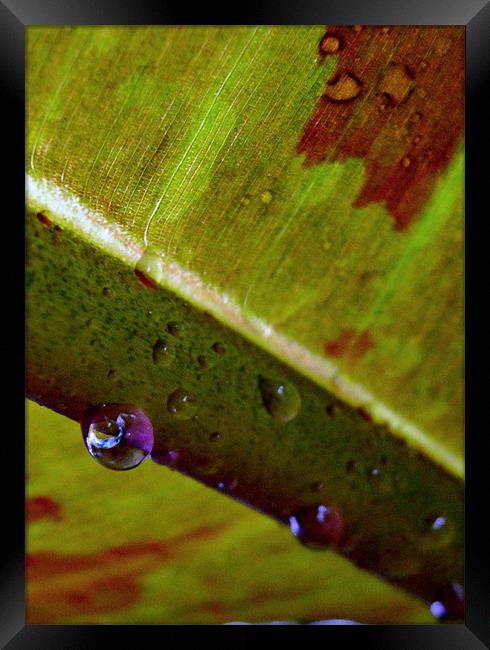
[186,138]
[153,546]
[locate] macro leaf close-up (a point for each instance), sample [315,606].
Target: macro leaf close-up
[244,284]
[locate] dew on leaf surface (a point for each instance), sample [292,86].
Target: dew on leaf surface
[182,404]
[317,526]
[280,399]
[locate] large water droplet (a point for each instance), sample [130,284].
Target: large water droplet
[118,436]
[317,527]
[182,404]
[397,84]
[149,268]
[344,87]
[282,400]
[163,354]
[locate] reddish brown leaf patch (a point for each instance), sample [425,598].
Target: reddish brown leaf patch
[349,343]
[62,586]
[38,508]
[397,100]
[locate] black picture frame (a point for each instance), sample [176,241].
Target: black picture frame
[15,16]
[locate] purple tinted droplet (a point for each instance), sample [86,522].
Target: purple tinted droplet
[450,603]
[162,457]
[317,527]
[118,436]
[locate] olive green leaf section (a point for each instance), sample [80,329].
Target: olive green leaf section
[154,547]
[186,139]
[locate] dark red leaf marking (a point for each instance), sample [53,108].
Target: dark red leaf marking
[38,508]
[406,123]
[44,219]
[349,343]
[147,281]
[99,582]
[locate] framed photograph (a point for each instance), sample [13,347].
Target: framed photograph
[245,241]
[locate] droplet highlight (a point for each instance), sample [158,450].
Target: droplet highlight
[182,404]
[317,527]
[118,436]
[280,399]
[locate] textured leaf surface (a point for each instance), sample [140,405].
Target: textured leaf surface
[311,203]
[152,546]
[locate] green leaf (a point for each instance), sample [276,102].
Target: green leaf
[294,245]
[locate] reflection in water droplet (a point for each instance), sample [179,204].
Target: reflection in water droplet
[266,197]
[329,44]
[344,87]
[317,527]
[149,268]
[397,83]
[118,436]
[163,354]
[182,404]
[281,400]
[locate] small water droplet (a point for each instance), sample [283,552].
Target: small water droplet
[215,436]
[182,404]
[219,348]
[330,44]
[166,457]
[228,485]
[450,604]
[163,354]
[173,329]
[281,400]
[118,436]
[149,268]
[437,532]
[414,119]
[266,197]
[106,292]
[317,486]
[416,139]
[344,87]
[406,162]
[112,373]
[423,65]
[374,472]
[397,83]
[317,527]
